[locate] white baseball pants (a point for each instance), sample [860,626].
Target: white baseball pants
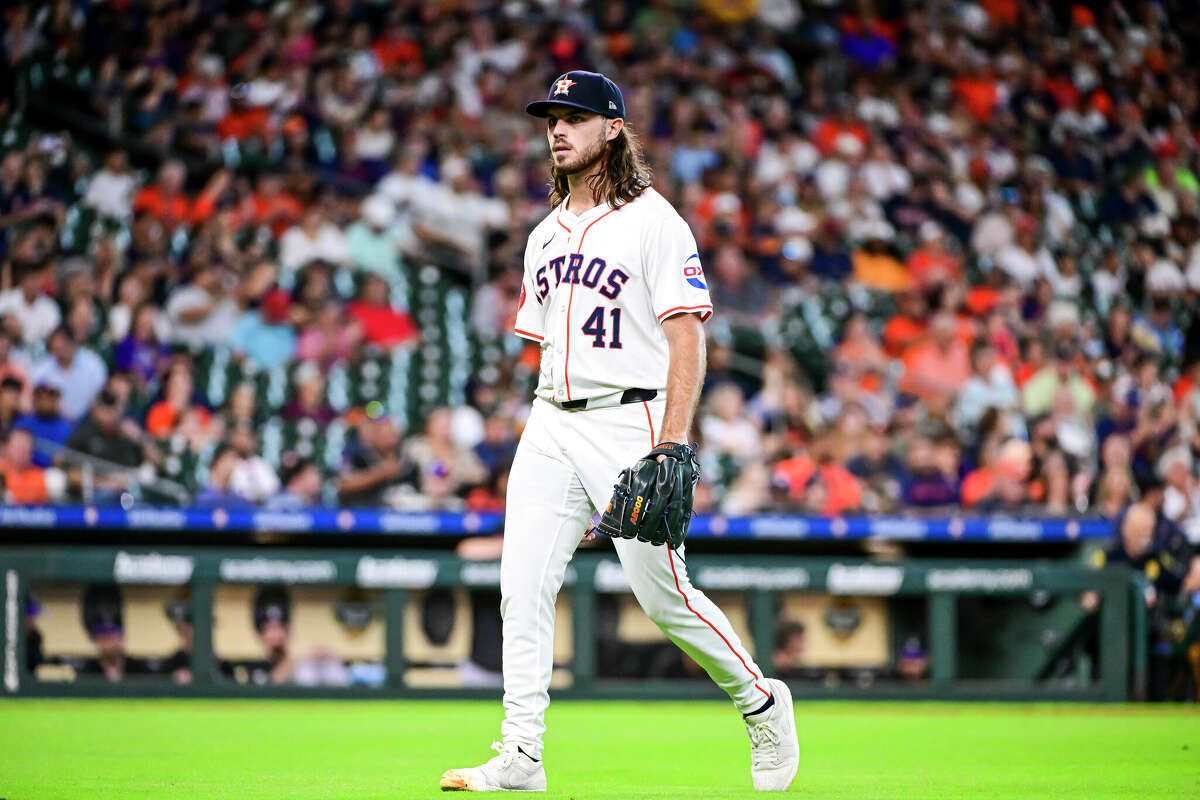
[565,467]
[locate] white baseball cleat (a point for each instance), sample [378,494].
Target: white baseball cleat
[510,771]
[774,748]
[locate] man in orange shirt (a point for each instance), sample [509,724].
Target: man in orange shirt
[876,268]
[931,263]
[827,488]
[1003,483]
[937,368]
[24,483]
[908,326]
[166,201]
[271,204]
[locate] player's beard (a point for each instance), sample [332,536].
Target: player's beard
[585,161]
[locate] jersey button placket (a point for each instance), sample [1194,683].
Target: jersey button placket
[564,343]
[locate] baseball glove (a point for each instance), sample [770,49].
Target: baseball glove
[652,501]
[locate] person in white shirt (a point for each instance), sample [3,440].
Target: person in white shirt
[374,141]
[111,189]
[405,184]
[315,238]
[1181,496]
[1165,278]
[29,307]
[202,313]
[79,371]
[457,216]
[1108,282]
[251,476]
[1024,260]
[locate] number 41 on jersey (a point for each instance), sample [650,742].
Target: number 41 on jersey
[594,327]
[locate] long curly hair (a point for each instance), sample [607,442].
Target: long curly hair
[623,173]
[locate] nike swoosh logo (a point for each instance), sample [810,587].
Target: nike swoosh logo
[548,241]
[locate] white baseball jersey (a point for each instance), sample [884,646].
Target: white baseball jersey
[597,287]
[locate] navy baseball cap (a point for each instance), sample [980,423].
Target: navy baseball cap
[589,91]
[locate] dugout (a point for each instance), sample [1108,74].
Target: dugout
[370,612]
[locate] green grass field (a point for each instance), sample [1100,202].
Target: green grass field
[97,749]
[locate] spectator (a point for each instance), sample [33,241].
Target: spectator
[1181,498]
[925,485]
[177,414]
[376,243]
[265,335]
[47,425]
[330,337]
[1039,392]
[990,386]
[25,483]
[907,327]
[251,476]
[878,470]
[1001,482]
[271,204]
[78,371]
[167,202]
[316,238]
[140,353]
[1023,259]
[110,192]
[499,444]
[860,354]
[445,470]
[104,436]
[876,268]
[301,484]
[310,402]
[932,264]
[375,473]
[382,325]
[242,407]
[735,289]
[1156,328]
[10,403]
[725,428]
[1114,492]
[131,295]
[937,368]
[819,486]
[27,310]
[453,220]
[202,313]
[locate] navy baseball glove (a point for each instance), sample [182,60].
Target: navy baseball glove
[652,500]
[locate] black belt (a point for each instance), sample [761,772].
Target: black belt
[627,397]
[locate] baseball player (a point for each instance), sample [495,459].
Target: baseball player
[615,294]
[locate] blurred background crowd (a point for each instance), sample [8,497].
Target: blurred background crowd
[269,253]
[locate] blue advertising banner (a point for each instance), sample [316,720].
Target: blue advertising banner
[439,523]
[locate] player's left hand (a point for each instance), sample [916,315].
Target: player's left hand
[652,500]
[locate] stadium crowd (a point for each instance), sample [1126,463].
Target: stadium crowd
[954,247]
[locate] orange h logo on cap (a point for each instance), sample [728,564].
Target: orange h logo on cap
[563,85]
